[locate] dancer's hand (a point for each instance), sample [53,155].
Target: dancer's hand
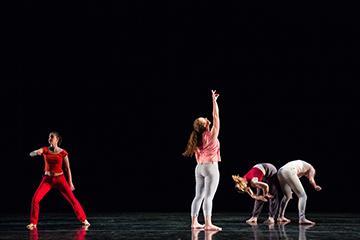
[260,198]
[269,196]
[215,95]
[317,188]
[72,186]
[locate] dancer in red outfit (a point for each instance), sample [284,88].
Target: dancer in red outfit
[54,157]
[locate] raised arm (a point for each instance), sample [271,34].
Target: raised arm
[215,112]
[68,172]
[311,176]
[36,152]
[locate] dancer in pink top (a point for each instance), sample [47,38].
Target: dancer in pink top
[204,143]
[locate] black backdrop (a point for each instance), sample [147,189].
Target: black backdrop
[123,81]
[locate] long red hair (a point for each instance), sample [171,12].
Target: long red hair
[195,139]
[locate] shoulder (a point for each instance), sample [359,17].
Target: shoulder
[207,135]
[45,149]
[64,153]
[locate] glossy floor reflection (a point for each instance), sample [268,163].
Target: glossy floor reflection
[176,226]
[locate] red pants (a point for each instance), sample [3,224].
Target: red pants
[45,186]
[78,235]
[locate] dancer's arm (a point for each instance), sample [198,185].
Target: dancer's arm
[254,196]
[263,186]
[215,112]
[36,152]
[68,172]
[311,177]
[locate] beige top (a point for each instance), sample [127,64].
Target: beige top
[301,167]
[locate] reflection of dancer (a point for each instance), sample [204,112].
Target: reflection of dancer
[207,235]
[258,234]
[273,233]
[302,231]
[263,177]
[289,177]
[282,232]
[54,156]
[79,234]
[204,143]
[33,234]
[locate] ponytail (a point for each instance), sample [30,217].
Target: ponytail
[193,142]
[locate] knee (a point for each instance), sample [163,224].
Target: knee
[303,196]
[208,198]
[199,197]
[35,200]
[288,196]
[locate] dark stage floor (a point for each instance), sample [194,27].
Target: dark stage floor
[176,226]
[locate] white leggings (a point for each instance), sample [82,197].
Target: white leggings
[207,180]
[289,181]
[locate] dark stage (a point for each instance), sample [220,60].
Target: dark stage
[123,81]
[176,226]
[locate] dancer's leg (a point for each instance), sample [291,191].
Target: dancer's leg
[298,189]
[212,177]
[274,189]
[199,197]
[258,205]
[39,194]
[283,176]
[66,191]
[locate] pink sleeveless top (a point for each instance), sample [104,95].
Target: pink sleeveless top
[209,152]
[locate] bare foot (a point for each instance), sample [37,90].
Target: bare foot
[305,221]
[85,223]
[283,223]
[252,220]
[31,226]
[212,228]
[197,226]
[270,220]
[283,220]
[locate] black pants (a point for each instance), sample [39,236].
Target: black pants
[274,190]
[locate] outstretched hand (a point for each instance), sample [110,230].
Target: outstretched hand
[261,198]
[214,94]
[269,196]
[317,188]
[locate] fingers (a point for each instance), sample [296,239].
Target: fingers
[269,196]
[261,198]
[215,95]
